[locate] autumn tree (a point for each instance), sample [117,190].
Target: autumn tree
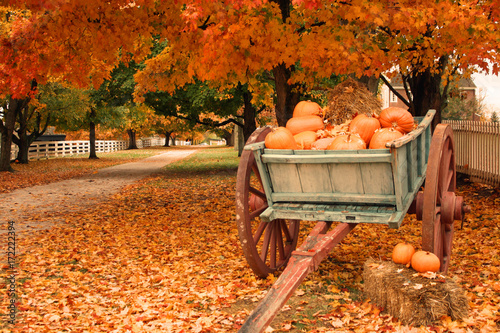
[494,117]
[238,42]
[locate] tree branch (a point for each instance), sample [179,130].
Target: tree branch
[395,92]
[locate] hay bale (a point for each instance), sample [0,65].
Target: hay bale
[349,98]
[411,297]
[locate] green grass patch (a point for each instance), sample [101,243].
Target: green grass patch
[207,160]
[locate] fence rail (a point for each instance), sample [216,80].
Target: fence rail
[477,150]
[45,149]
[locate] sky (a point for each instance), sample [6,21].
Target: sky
[489,86]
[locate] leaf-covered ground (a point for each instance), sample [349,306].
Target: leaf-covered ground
[164,256]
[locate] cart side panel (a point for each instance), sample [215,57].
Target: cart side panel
[377,178]
[315,178]
[285,177]
[293,174]
[346,177]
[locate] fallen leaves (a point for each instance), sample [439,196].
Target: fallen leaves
[164,256]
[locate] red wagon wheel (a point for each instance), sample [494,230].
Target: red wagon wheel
[440,205]
[267,245]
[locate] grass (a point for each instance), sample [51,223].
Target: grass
[207,160]
[39,172]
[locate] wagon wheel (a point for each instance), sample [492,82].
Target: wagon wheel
[267,245]
[440,204]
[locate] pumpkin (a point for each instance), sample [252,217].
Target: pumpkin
[305,139]
[255,202]
[398,118]
[305,123]
[383,136]
[364,126]
[402,253]
[321,144]
[425,261]
[346,142]
[280,138]
[307,108]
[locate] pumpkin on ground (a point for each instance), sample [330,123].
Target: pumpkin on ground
[425,261]
[364,126]
[383,136]
[347,142]
[280,138]
[305,139]
[402,253]
[307,108]
[305,123]
[398,118]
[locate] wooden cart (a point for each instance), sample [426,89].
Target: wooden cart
[276,189]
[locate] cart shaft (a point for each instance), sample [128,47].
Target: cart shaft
[304,260]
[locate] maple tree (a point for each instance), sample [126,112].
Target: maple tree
[295,43]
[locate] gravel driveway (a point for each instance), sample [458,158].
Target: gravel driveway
[30,207]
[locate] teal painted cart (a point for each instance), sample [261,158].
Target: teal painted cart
[276,189]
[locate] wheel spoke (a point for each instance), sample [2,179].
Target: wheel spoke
[286,230]
[272,257]
[279,235]
[265,243]
[257,212]
[259,231]
[257,192]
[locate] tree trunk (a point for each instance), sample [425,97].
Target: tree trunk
[228,136]
[249,113]
[427,92]
[371,83]
[23,142]
[6,129]
[167,139]
[132,142]
[92,138]
[286,97]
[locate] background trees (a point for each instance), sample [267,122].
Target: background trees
[279,48]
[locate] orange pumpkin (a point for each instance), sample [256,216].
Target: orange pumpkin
[402,253]
[398,118]
[305,139]
[305,123]
[321,144]
[347,142]
[383,136]
[280,138]
[307,108]
[364,126]
[255,202]
[425,261]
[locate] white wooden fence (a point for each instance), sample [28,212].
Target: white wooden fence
[477,150]
[45,149]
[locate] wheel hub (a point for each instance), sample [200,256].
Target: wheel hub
[452,207]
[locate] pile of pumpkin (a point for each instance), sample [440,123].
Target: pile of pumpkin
[421,261]
[307,130]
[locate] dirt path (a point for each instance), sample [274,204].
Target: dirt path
[40,207]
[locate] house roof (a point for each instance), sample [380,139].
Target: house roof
[463,83]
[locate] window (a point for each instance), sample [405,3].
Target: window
[393,97]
